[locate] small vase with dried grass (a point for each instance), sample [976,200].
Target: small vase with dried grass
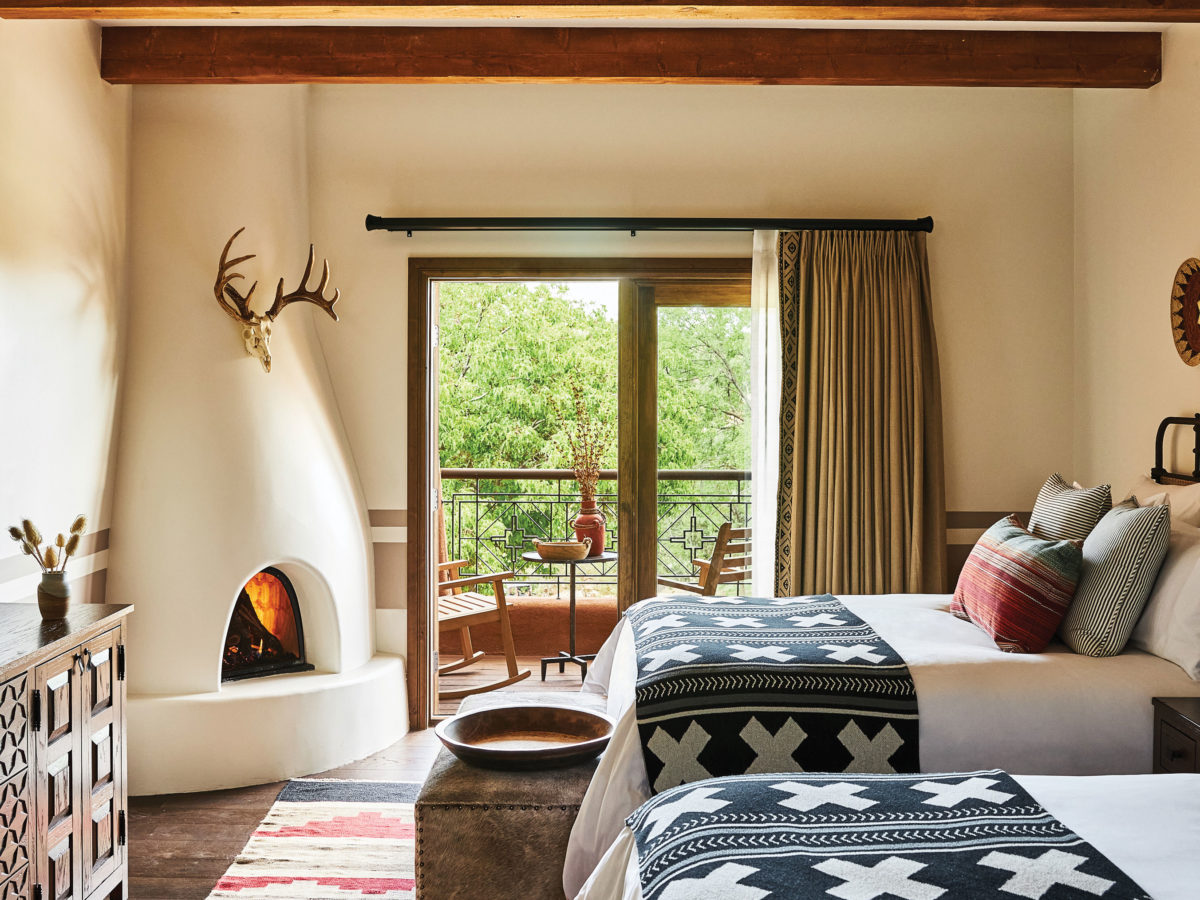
[587,441]
[54,594]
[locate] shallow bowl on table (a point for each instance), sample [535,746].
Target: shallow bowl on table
[563,551]
[526,737]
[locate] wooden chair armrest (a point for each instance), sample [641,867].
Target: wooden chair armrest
[450,564]
[490,578]
[679,585]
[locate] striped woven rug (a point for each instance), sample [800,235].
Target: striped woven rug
[326,839]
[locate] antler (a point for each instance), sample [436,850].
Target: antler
[303,292]
[223,289]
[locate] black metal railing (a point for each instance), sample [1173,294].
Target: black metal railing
[493,515]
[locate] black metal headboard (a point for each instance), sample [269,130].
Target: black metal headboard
[1161,475]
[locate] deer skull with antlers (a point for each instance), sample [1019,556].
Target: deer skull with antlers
[256,329]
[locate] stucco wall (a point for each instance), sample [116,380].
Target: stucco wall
[1136,194]
[64,137]
[223,468]
[993,167]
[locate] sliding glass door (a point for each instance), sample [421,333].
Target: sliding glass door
[486,474]
[685,428]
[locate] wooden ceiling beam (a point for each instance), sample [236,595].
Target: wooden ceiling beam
[330,54]
[939,10]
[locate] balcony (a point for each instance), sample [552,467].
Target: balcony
[493,515]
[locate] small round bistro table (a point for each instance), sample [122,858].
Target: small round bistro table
[566,656]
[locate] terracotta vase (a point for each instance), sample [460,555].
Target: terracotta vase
[54,595]
[590,524]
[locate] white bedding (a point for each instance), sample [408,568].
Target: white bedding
[1052,713]
[1147,825]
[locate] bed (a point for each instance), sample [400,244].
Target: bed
[1147,826]
[1055,713]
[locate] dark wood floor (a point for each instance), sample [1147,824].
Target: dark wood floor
[180,844]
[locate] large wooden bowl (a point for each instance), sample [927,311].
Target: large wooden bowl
[563,551]
[526,737]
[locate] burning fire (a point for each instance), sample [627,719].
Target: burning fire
[274,609]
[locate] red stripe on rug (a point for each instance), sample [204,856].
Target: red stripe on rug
[365,824]
[362,885]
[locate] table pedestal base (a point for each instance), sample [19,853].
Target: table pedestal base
[563,658]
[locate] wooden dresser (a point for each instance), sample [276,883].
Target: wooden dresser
[62,754]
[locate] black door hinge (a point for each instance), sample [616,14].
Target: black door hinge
[121,836]
[37,891]
[120,662]
[35,712]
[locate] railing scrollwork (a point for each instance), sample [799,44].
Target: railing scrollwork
[493,515]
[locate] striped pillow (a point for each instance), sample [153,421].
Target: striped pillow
[1121,559]
[1066,513]
[1017,587]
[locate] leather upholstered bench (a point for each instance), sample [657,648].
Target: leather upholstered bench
[484,834]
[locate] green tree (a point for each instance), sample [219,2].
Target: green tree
[506,351]
[703,388]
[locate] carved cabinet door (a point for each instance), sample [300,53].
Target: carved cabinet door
[59,777]
[102,809]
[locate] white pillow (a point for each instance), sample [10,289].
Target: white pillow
[1184,499]
[1170,626]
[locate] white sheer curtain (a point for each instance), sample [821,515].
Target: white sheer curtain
[765,366]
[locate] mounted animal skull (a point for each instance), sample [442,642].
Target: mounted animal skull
[256,329]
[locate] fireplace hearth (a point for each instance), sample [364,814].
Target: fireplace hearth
[266,635]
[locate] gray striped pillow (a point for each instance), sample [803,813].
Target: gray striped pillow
[1066,513]
[1121,559]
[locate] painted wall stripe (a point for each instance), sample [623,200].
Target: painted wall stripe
[981,519]
[964,535]
[25,587]
[383,534]
[18,565]
[387,517]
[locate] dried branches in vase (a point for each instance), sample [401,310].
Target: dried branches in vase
[588,439]
[54,594]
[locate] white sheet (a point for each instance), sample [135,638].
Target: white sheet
[1147,825]
[1052,713]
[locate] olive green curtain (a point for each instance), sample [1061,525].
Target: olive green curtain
[861,486]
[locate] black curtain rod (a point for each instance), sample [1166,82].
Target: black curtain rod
[633,226]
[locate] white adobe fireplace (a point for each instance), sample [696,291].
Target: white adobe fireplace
[224,471]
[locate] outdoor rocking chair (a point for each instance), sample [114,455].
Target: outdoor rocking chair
[730,563]
[458,609]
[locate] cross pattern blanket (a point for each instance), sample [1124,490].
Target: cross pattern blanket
[733,685]
[918,837]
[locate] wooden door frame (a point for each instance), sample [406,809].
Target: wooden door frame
[422,273]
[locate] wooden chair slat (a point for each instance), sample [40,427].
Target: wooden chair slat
[455,601]
[466,603]
[681,586]
[729,563]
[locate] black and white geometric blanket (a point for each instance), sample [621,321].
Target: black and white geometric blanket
[734,685]
[965,836]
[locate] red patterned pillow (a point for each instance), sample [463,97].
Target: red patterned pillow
[1017,587]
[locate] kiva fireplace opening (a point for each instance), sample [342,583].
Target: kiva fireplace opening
[266,636]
